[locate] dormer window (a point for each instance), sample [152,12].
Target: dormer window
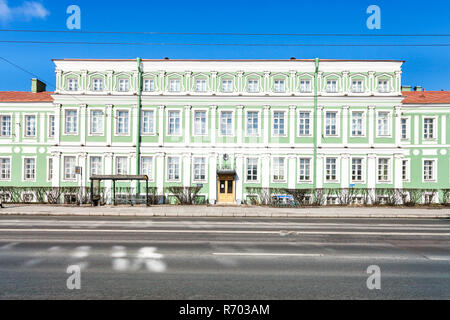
[357,86]
[227,85]
[200,85]
[149,85]
[332,86]
[72,84]
[124,85]
[175,85]
[279,86]
[305,86]
[97,84]
[253,86]
[383,86]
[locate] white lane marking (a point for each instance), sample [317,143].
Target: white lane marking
[249,254]
[81,252]
[228,232]
[118,252]
[438,258]
[9,246]
[146,256]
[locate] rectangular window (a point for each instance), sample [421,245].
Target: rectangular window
[383,124]
[175,85]
[252,169]
[97,121]
[97,85]
[383,169]
[124,85]
[72,84]
[331,169]
[227,85]
[428,170]
[30,126]
[357,123]
[405,128]
[305,86]
[278,170]
[51,126]
[357,86]
[149,85]
[200,85]
[147,166]
[5,169]
[278,123]
[253,86]
[357,170]
[5,122]
[252,123]
[304,123]
[173,169]
[200,123]
[148,126]
[122,165]
[123,122]
[69,168]
[50,169]
[332,86]
[29,169]
[278,86]
[199,169]
[428,128]
[305,170]
[174,123]
[71,121]
[226,123]
[383,86]
[405,170]
[331,124]
[96,166]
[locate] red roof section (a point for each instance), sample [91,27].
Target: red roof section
[426,97]
[22,96]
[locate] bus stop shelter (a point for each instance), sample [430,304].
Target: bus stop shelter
[97,179]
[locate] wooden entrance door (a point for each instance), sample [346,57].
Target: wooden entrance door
[226,189]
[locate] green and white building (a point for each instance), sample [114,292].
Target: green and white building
[227,126]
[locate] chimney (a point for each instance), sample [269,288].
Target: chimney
[406,88]
[418,88]
[37,86]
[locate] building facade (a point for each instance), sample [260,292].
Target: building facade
[227,126]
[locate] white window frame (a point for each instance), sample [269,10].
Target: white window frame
[91,122]
[363,124]
[302,87]
[70,87]
[276,88]
[102,84]
[121,88]
[434,169]
[117,117]
[286,123]
[272,171]
[258,117]
[101,163]
[148,89]
[194,133]
[338,120]
[251,89]
[408,170]
[9,158]
[408,128]
[180,116]
[338,168]
[359,89]
[388,86]
[76,123]
[311,123]
[151,177]
[232,123]
[51,127]
[168,169]
[435,124]
[389,124]
[328,86]
[311,169]
[223,87]
[116,165]
[10,125]
[50,169]
[174,85]
[64,168]
[25,116]
[363,170]
[153,119]
[203,85]
[389,179]
[24,158]
[205,166]
[258,166]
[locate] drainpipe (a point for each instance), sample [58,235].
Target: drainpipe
[316,71]
[138,130]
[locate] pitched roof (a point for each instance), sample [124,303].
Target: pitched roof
[22,96]
[426,97]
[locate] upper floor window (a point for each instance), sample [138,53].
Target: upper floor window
[252,169]
[278,123]
[97,84]
[173,168]
[305,86]
[332,86]
[122,165]
[227,85]
[253,86]
[96,166]
[147,166]
[305,169]
[29,169]
[149,85]
[72,84]
[200,85]
[429,128]
[69,168]
[174,123]
[383,124]
[405,128]
[124,85]
[357,123]
[97,121]
[148,125]
[304,123]
[331,169]
[383,86]
[71,121]
[429,170]
[30,126]
[5,122]
[357,169]
[384,169]
[51,126]
[357,86]
[5,169]
[122,122]
[331,124]
[174,85]
[405,170]
[200,123]
[278,85]
[199,169]
[226,123]
[252,123]
[278,170]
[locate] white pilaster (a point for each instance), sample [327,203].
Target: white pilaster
[134,125]
[56,156]
[82,157]
[319,125]
[213,125]
[161,111]
[345,121]
[319,171]
[58,120]
[416,130]
[133,163]
[266,82]
[240,82]
[372,85]
[444,129]
[108,171]
[240,178]
[265,171]
[160,173]
[109,124]
[398,126]
[345,82]
[214,82]
[240,119]
[292,116]
[212,178]
[187,125]
[83,118]
[187,166]
[371,125]
[292,172]
[398,174]
[345,178]
[266,125]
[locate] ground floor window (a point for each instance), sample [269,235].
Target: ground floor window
[383,169]
[428,170]
[173,169]
[199,169]
[5,169]
[29,169]
[305,170]
[122,165]
[147,166]
[69,168]
[252,169]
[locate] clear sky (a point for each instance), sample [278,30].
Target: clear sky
[426,66]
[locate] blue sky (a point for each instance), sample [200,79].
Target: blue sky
[426,66]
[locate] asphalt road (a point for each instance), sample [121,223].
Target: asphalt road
[219,258]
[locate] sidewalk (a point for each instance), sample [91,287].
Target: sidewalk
[231,211]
